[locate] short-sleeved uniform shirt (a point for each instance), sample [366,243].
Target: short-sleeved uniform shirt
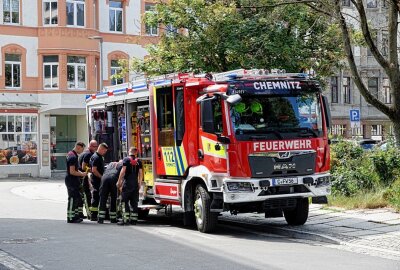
[85,157]
[131,174]
[97,161]
[72,160]
[112,171]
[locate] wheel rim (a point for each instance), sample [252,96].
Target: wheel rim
[198,209]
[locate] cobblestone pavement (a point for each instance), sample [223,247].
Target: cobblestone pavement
[375,232]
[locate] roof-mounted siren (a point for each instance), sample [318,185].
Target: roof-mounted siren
[228,75]
[278,71]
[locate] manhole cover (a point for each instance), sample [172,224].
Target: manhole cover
[24,240]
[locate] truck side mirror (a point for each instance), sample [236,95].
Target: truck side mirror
[234,99]
[328,118]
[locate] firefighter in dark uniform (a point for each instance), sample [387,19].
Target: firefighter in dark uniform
[97,169]
[72,182]
[86,185]
[109,187]
[129,182]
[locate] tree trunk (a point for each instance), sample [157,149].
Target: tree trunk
[396,129]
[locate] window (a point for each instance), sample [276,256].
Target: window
[338,130]
[150,30]
[76,72]
[373,86]
[116,69]
[386,91]
[345,3]
[211,116]
[50,71]
[50,13]
[11,11]
[18,139]
[372,3]
[385,44]
[376,130]
[13,70]
[347,90]
[165,116]
[115,16]
[76,13]
[334,90]
[179,115]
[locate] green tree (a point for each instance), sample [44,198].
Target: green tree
[216,36]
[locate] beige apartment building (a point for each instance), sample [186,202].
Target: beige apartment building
[344,95]
[53,54]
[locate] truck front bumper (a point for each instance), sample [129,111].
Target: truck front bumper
[237,190]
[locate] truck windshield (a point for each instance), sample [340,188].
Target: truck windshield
[272,117]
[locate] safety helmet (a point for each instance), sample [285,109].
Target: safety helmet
[256,107]
[240,107]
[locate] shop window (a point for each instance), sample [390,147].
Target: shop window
[338,130]
[376,130]
[334,90]
[115,16]
[165,117]
[11,11]
[115,70]
[150,29]
[50,12]
[13,70]
[76,13]
[76,72]
[50,71]
[18,139]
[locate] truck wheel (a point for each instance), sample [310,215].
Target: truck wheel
[299,215]
[143,213]
[206,221]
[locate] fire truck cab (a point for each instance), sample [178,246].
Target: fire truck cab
[242,141]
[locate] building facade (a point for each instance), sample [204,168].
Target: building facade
[343,93]
[53,54]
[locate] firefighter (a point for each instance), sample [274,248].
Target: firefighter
[97,169]
[86,185]
[109,187]
[129,182]
[72,182]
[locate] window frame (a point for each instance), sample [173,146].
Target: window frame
[51,12]
[51,64]
[346,3]
[12,63]
[376,79]
[347,90]
[116,69]
[146,26]
[76,75]
[11,12]
[115,10]
[75,3]
[370,1]
[335,89]
[387,95]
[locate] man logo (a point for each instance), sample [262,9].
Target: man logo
[284,155]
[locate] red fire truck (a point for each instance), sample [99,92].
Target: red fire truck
[240,141]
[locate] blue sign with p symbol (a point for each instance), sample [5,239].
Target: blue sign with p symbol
[354,115]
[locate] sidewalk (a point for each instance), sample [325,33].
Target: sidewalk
[368,230]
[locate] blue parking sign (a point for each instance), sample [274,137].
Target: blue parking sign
[355,115]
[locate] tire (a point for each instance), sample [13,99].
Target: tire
[143,213]
[297,216]
[206,221]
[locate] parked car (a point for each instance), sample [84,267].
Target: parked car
[368,144]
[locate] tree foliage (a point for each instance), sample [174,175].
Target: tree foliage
[214,36]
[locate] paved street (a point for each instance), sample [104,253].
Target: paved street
[35,235]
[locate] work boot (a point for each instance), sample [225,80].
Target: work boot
[113,221]
[100,221]
[122,223]
[133,222]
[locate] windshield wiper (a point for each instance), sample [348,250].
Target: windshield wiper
[261,137]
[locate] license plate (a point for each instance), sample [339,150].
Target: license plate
[285,181]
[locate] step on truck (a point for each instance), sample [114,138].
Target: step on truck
[240,141]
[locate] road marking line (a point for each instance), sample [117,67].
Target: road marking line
[14,263]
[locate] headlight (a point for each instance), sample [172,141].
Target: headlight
[239,186]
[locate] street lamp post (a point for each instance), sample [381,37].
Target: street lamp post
[101,59]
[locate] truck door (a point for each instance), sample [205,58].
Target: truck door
[212,154]
[171,160]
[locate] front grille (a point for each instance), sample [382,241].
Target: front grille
[281,190]
[280,203]
[269,166]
